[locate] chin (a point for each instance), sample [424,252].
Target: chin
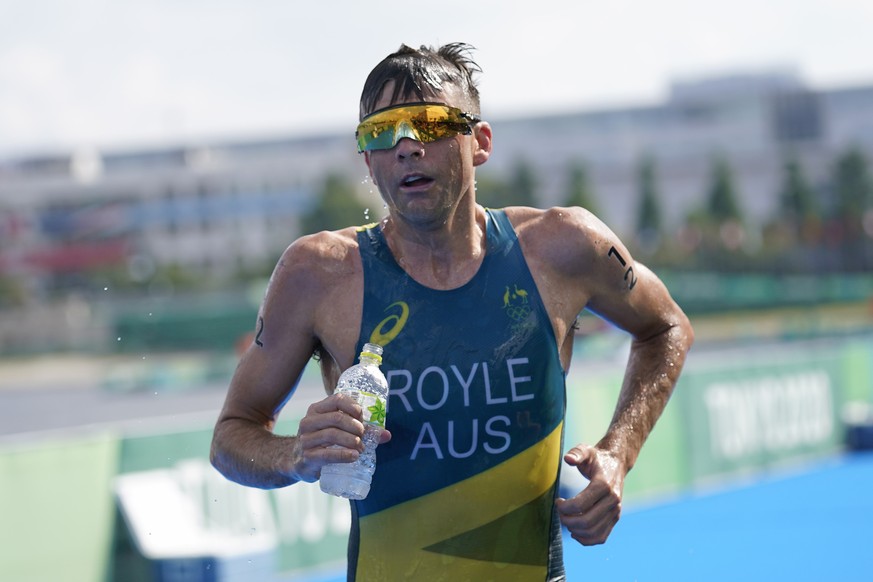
[426,220]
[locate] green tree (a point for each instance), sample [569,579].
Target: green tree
[490,190]
[12,292]
[337,206]
[722,204]
[797,199]
[579,191]
[789,236]
[799,206]
[853,192]
[720,224]
[649,218]
[522,185]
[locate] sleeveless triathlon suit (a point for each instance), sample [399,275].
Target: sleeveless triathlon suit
[465,489]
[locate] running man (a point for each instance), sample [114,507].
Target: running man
[475,309]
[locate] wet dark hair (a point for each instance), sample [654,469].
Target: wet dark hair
[422,73]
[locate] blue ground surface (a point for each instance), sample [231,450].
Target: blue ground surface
[815,525]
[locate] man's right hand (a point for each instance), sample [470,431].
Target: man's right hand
[331,432]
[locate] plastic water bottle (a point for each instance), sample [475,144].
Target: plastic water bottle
[366,383]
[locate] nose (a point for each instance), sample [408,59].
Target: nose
[409,148]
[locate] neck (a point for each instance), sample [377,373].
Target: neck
[444,257]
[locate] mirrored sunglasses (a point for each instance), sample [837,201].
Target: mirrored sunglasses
[424,122]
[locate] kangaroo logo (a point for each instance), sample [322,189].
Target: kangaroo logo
[515,303]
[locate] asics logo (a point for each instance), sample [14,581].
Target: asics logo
[390,327]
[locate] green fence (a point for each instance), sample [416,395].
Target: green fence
[56,505]
[216,322]
[703,292]
[193,327]
[777,406]
[735,412]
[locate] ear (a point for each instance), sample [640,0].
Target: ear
[482,135]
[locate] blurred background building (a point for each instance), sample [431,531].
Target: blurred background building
[777,169]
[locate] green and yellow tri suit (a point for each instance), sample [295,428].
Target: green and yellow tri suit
[465,489]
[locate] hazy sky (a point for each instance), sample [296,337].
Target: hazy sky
[130,73]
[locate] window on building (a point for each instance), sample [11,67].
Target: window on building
[796,116]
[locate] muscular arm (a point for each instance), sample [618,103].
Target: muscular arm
[586,265]
[297,316]
[633,298]
[661,336]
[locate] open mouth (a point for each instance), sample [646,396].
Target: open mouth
[416,181]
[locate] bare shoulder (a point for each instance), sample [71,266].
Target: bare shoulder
[316,291]
[568,239]
[318,259]
[317,269]
[580,262]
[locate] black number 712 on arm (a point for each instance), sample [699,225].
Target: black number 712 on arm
[629,274]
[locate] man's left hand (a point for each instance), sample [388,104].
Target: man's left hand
[591,515]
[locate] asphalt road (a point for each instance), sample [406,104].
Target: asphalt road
[65,393]
[34,411]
